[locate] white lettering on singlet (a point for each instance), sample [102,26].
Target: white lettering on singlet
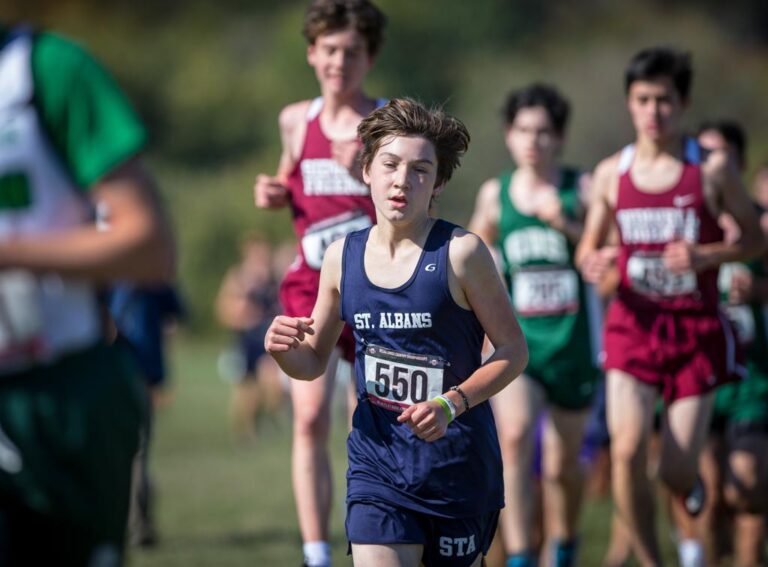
[397,320]
[658,225]
[457,546]
[400,320]
[536,243]
[328,177]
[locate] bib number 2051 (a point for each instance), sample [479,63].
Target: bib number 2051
[395,380]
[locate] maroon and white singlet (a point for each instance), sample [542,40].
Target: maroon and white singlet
[664,328]
[326,204]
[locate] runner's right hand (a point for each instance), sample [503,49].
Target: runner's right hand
[285,333]
[597,263]
[269,192]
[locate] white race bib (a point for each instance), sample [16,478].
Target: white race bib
[743,320]
[545,292]
[395,380]
[648,276]
[21,320]
[318,237]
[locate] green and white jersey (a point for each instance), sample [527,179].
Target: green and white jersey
[61,129]
[559,315]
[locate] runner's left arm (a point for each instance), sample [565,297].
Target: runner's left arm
[137,245]
[725,193]
[301,346]
[482,291]
[486,295]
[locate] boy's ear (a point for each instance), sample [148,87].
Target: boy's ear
[366,176]
[438,189]
[311,50]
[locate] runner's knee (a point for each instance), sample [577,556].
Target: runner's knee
[745,490]
[517,443]
[628,452]
[562,466]
[678,476]
[311,424]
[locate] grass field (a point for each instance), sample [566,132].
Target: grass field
[222,505]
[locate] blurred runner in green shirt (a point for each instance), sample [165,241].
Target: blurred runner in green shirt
[70,405]
[533,216]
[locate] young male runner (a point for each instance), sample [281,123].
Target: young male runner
[70,404]
[664,333]
[532,214]
[424,484]
[318,177]
[734,464]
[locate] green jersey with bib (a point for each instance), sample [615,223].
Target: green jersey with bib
[558,313]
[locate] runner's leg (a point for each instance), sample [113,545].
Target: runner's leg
[563,477]
[387,555]
[311,466]
[630,405]
[516,409]
[684,433]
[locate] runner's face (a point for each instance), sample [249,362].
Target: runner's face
[713,140]
[402,178]
[341,61]
[532,140]
[655,107]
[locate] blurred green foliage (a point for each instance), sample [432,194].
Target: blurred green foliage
[210,79]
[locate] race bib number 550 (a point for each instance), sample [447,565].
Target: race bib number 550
[395,380]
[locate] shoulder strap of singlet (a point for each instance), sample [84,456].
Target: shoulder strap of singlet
[625,160]
[505,179]
[352,261]
[569,179]
[314,108]
[442,238]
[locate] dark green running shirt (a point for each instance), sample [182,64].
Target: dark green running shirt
[558,314]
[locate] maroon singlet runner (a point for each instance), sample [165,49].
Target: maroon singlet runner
[666,329]
[326,204]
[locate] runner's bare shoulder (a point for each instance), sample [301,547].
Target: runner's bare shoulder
[605,181]
[292,121]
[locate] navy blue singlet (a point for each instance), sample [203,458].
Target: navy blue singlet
[413,343]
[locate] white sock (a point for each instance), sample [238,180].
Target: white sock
[317,554]
[691,553]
